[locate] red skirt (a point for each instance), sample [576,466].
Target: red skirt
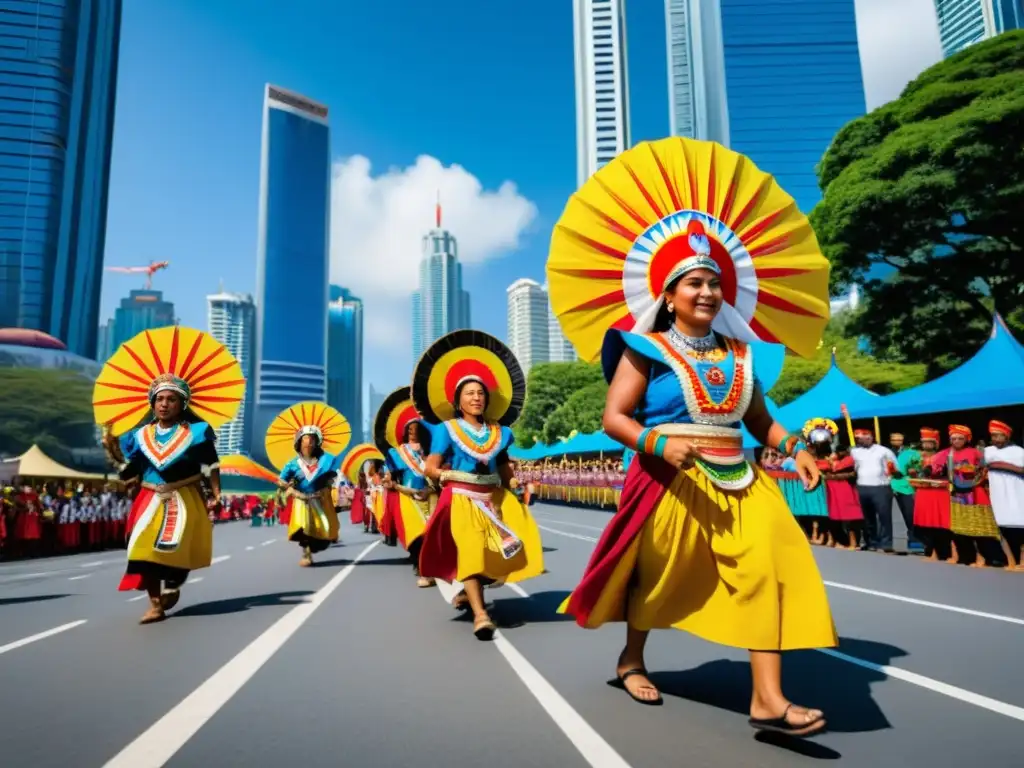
[843,501]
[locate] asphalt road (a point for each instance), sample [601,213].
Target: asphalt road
[348,664]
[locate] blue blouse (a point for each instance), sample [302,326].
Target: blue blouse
[466,451]
[404,473]
[168,456]
[665,400]
[322,476]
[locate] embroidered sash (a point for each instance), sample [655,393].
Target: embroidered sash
[509,544]
[484,448]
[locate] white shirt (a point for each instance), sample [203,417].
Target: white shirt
[871,464]
[1007,490]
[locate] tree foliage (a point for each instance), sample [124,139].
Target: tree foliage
[932,185]
[51,408]
[582,412]
[551,386]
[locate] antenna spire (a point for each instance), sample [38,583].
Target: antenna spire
[437,209]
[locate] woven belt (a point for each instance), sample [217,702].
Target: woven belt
[720,453]
[468,478]
[165,489]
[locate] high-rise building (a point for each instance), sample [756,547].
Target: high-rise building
[141,310]
[602,83]
[965,22]
[345,358]
[292,257]
[375,401]
[58,66]
[231,319]
[528,323]
[559,348]
[441,305]
[104,340]
[788,71]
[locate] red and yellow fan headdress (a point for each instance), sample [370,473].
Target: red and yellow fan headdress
[183,360]
[237,465]
[395,414]
[355,458]
[666,207]
[463,356]
[308,418]
[820,430]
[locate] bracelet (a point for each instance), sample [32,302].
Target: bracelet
[791,445]
[659,446]
[648,442]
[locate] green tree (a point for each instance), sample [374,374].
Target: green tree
[50,408]
[550,385]
[932,186]
[582,411]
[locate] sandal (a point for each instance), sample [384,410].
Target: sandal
[620,682]
[483,627]
[783,726]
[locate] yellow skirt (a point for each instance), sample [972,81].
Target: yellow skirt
[414,516]
[479,543]
[174,532]
[733,568]
[976,520]
[377,506]
[314,519]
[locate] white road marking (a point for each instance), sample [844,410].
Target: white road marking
[566,522]
[566,533]
[77,578]
[268,542]
[159,743]
[927,603]
[196,580]
[588,742]
[518,590]
[968,697]
[143,596]
[220,559]
[92,565]
[21,576]
[41,636]
[249,549]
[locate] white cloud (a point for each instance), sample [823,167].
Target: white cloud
[899,39]
[377,223]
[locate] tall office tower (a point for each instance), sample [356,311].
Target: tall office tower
[345,358]
[231,319]
[789,73]
[602,83]
[104,339]
[696,70]
[375,401]
[292,257]
[139,311]
[965,22]
[441,305]
[559,348]
[528,323]
[58,66]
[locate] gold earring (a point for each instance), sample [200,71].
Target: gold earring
[671,308]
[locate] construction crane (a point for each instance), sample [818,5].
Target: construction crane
[148,271]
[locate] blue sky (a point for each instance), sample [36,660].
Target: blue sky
[466,82]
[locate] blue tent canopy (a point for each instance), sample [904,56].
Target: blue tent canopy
[825,398]
[991,379]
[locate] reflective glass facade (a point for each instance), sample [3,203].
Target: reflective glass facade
[345,358]
[965,22]
[58,73]
[441,305]
[793,79]
[140,311]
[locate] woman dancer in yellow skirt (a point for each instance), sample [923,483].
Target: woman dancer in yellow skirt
[355,467]
[410,497]
[471,387]
[190,384]
[303,442]
[666,265]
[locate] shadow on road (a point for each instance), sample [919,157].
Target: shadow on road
[550,549]
[344,561]
[28,599]
[841,690]
[539,608]
[239,604]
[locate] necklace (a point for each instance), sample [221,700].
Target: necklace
[698,344]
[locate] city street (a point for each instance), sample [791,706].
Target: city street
[264,663]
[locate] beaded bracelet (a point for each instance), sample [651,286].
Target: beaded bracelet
[792,444]
[651,442]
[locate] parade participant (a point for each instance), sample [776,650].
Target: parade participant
[907,458]
[666,264]
[970,511]
[304,443]
[191,385]
[405,442]
[811,507]
[354,467]
[873,463]
[931,503]
[1005,463]
[470,388]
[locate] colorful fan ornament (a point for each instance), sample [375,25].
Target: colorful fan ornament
[394,415]
[237,465]
[626,233]
[356,458]
[308,418]
[463,356]
[184,360]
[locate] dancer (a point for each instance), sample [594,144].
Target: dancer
[405,441]
[303,443]
[471,387]
[669,300]
[199,387]
[355,466]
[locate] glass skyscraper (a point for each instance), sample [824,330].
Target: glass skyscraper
[141,310]
[789,72]
[345,358]
[231,319]
[441,305]
[292,257]
[58,69]
[965,22]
